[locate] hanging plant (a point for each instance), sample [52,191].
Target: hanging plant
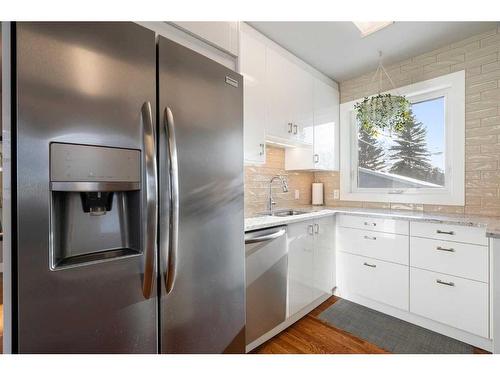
[383,111]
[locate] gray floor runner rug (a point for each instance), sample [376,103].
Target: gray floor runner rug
[389,333]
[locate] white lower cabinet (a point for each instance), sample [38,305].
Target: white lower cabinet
[324,255]
[451,300]
[384,246]
[452,258]
[311,262]
[436,275]
[374,279]
[300,266]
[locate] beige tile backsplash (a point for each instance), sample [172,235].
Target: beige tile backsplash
[257,184]
[479,56]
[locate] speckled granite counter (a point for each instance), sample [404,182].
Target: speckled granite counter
[492,224]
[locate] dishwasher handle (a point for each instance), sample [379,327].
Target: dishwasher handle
[267,237]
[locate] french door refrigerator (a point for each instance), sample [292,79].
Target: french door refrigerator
[127,201]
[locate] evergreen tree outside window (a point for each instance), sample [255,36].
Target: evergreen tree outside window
[371,153]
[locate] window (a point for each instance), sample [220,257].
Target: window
[423,164]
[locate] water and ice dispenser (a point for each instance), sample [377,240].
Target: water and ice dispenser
[95,204]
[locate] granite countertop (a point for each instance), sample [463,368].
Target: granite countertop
[492,224]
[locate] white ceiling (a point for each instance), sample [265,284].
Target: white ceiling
[337,49]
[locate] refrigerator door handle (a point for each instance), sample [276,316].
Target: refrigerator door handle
[174,201]
[151,222]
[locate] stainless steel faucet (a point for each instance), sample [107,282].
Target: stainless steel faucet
[284,186]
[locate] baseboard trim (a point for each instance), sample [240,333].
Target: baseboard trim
[287,323]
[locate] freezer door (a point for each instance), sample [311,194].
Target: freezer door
[202,261]
[89,84]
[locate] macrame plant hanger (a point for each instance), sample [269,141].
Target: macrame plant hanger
[380,73]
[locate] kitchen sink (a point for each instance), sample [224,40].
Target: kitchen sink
[282,213]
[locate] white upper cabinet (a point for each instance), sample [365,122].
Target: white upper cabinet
[290,100]
[286,102]
[253,69]
[278,70]
[223,35]
[320,149]
[326,127]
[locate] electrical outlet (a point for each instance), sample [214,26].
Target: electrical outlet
[336,194]
[297,194]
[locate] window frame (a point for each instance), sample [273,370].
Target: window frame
[452,88]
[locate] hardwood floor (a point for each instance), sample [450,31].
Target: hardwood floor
[307,336]
[311,335]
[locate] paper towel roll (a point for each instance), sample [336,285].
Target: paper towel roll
[317,193]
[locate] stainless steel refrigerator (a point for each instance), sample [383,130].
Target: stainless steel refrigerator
[127,193]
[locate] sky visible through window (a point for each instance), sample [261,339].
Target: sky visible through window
[431,114]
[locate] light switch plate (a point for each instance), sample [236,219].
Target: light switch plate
[336,194]
[297,194]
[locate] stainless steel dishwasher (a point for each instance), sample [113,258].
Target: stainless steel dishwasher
[266,255]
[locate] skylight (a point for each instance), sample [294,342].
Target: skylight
[368,28]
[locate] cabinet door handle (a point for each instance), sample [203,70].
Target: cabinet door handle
[316,158]
[451,233]
[261,149]
[311,229]
[290,128]
[372,224]
[450,249]
[369,265]
[295,129]
[317,228]
[370,238]
[445,283]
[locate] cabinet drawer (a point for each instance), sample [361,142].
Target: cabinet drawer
[462,303]
[375,224]
[375,279]
[447,232]
[384,246]
[453,258]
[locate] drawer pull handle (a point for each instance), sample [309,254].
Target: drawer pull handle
[451,233]
[370,238]
[445,283]
[369,265]
[372,224]
[450,250]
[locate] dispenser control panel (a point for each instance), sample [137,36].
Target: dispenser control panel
[71,162]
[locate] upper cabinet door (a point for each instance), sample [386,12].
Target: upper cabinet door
[301,105]
[280,95]
[253,69]
[223,35]
[319,148]
[326,127]
[290,99]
